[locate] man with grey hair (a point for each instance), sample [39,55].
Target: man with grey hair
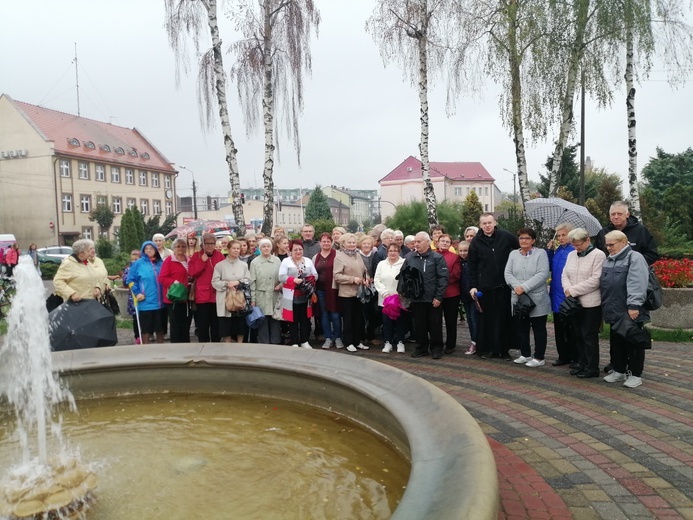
[164,251]
[426,308]
[409,242]
[639,237]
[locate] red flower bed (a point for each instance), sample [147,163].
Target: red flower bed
[674,273]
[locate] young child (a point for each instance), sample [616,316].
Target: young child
[469,308]
[134,256]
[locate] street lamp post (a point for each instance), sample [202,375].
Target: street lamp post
[514,185]
[194,188]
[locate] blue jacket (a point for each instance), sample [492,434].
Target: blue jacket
[557,261]
[144,273]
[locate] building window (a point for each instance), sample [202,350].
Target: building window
[117,205]
[486,191]
[88,232]
[144,207]
[143,178]
[129,177]
[458,192]
[167,182]
[83,170]
[100,172]
[102,200]
[467,191]
[485,207]
[67,203]
[115,174]
[169,209]
[156,207]
[119,151]
[132,203]
[90,145]
[155,180]
[64,168]
[85,203]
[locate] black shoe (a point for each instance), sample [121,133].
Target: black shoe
[588,373]
[576,365]
[608,368]
[450,350]
[505,356]
[488,355]
[437,355]
[576,371]
[559,363]
[417,354]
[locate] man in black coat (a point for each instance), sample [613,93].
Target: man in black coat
[639,237]
[488,254]
[426,309]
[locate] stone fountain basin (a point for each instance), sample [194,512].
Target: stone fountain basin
[453,472]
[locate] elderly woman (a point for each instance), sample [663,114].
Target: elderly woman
[562,325]
[385,282]
[526,272]
[298,275]
[451,298]
[160,241]
[470,233]
[265,287]
[81,276]
[228,276]
[349,273]
[201,268]
[174,270]
[624,290]
[580,279]
[144,277]
[330,316]
[371,311]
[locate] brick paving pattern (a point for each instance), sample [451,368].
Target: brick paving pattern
[568,447]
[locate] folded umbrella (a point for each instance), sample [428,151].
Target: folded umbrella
[83,324]
[626,327]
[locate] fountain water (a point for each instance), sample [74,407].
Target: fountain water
[38,486]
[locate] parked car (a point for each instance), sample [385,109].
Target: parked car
[54,254]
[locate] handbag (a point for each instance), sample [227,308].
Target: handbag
[277,313]
[523,306]
[108,300]
[235,300]
[53,302]
[365,293]
[255,318]
[570,306]
[177,292]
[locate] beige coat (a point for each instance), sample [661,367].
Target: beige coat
[224,272]
[76,277]
[346,267]
[264,277]
[582,275]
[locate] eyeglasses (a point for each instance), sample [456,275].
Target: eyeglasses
[609,246]
[210,243]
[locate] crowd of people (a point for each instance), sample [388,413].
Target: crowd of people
[357,291]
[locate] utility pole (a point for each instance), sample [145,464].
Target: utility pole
[77,80]
[514,174]
[194,188]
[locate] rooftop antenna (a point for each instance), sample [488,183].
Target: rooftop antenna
[77,80]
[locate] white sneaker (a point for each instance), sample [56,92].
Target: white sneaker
[400,348]
[351,348]
[388,347]
[327,344]
[522,360]
[362,346]
[533,363]
[615,377]
[338,343]
[633,382]
[306,345]
[294,345]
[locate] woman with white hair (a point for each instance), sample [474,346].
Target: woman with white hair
[82,275]
[470,233]
[159,240]
[264,288]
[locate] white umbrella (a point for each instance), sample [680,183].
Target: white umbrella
[553,211]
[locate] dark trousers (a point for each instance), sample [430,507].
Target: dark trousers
[586,328]
[495,322]
[394,330]
[565,337]
[538,326]
[472,316]
[299,329]
[451,313]
[428,322]
[180,325]
[352,320]
[371,317]
[207,323]
[625,356]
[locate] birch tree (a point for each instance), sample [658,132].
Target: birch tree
[272,61]
[418,34]
[196,18]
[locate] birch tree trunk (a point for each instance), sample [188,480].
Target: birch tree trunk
[633,194]
[268,117]
[429,193]
[576,55]
[220,87]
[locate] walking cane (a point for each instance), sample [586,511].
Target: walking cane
[137,311]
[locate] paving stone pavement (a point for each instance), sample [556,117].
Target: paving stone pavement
[574,448]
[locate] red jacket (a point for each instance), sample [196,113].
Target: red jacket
[454,272]
[11,256]
[172,271]
[202,273]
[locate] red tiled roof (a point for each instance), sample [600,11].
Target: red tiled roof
[60,128]
[410,169]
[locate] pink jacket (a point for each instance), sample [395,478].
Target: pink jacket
[582,276]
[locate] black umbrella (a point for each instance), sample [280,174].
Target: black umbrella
[83,324]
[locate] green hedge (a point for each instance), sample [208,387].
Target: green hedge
[48,271]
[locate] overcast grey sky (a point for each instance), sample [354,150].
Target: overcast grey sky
[360,121]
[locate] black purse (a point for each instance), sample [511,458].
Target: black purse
[570,306]
[109,301]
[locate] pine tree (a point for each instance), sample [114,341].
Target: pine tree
[317,208]
[138,221]
[472,210]
[128,234]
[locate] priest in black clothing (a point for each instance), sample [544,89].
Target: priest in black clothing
[488,254]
